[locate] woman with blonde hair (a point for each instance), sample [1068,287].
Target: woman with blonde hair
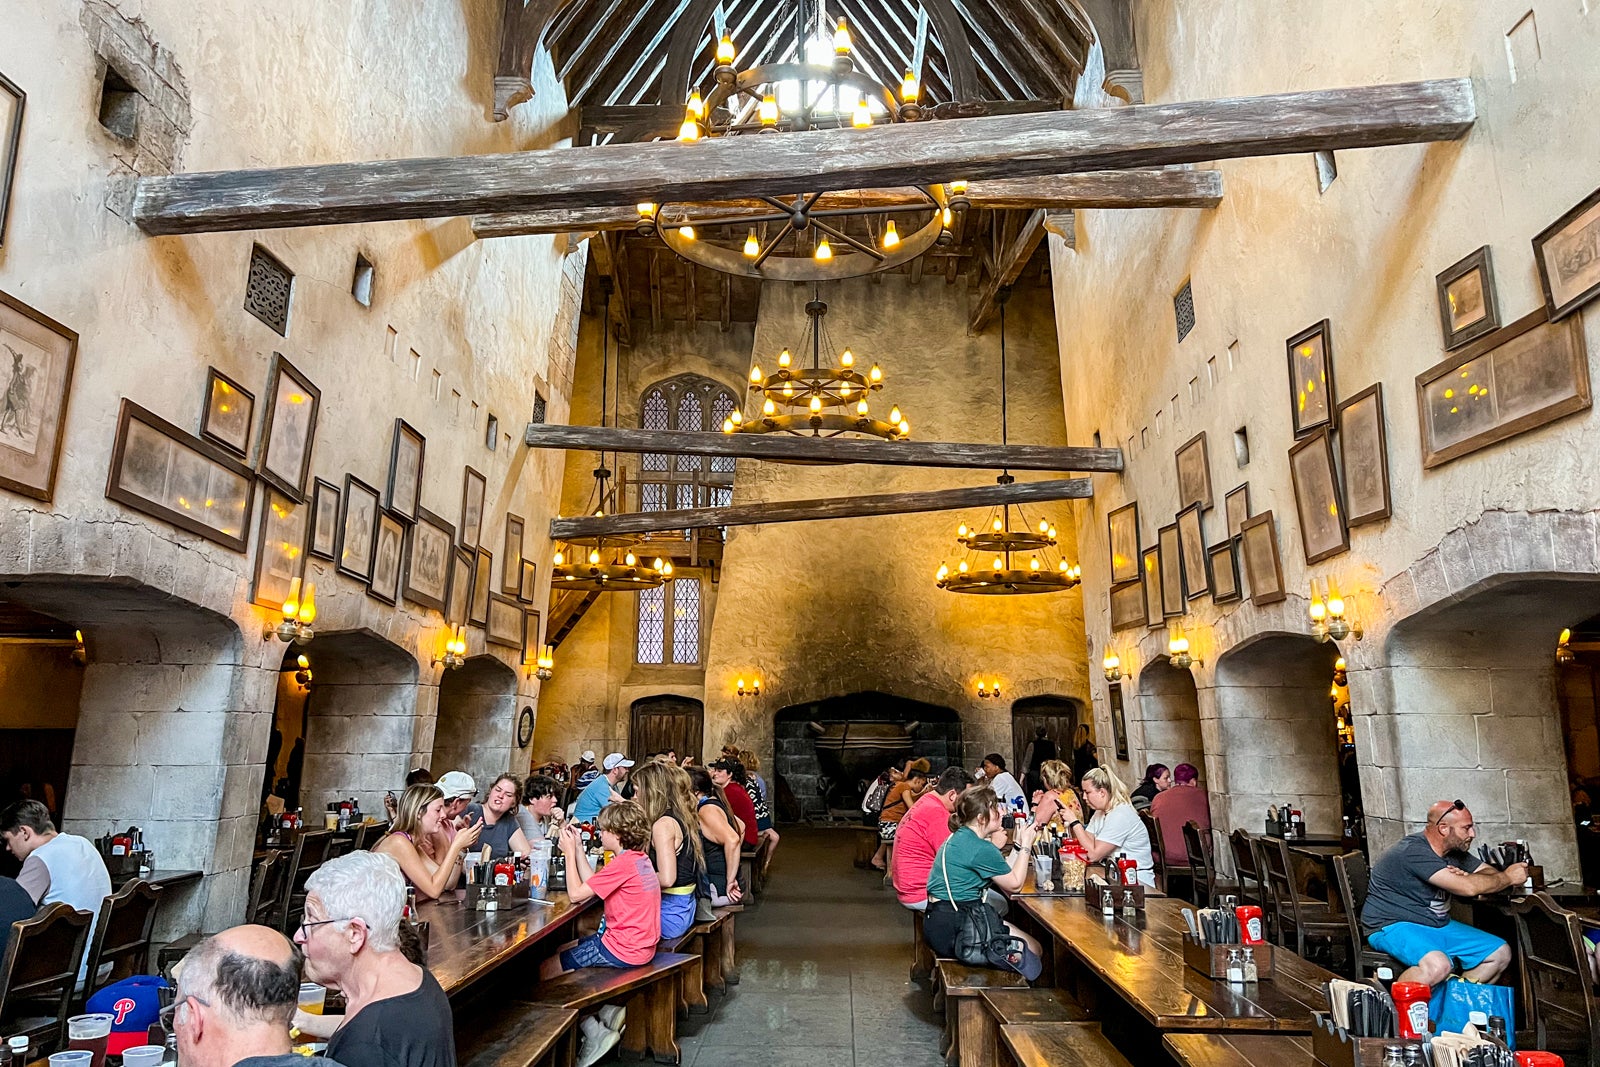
[1057,800]
[662,790]
[1115,826]
[416,822]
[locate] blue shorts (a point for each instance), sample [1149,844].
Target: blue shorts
[1409,942]
[590,952]
[677,914]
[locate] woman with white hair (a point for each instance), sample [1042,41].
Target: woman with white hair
[397,1014]
[1115,825]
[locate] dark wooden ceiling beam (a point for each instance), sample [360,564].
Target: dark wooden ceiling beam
[1038,21]
[746,28]
[844,507]
[785,448]
[1011,257]
[649,52]
[585,32]
[630,39]
[609,262]
[1015,52]
[883,156]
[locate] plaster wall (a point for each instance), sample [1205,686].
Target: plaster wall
[1278,256]
[42,684]
[457,330]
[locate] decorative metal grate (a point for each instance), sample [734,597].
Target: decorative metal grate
[268,290]
[686,621]
[1183,310]
[539,406]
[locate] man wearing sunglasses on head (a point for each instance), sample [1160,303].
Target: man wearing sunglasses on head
[1407,913]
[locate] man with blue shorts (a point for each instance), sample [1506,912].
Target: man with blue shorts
[1407,913]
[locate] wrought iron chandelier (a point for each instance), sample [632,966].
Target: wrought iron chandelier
[813,239]
[989,564]
[605,563]
[818,401]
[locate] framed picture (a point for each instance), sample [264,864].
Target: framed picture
[1236,505]
[430,551]
[405,470]
[281,548]
[290,428]
[1153,615]
[12,100]
[511,561]
[387,554]
[478,607]
[1192,544]
[164,472]
[1522,376]
[1323,532]
[1172,599]
[1468,308]
[1224,561]
[460,587]
[1258,552]
[358,528]
[324,520]
[1194,473]
[532,635]
[1568,254]
[503,626]
[229,414]
[1311,378]
[473,487]
[1364,457]
[37,354]
[1122,534]
[530,578]
[1127,605]
[1119,720]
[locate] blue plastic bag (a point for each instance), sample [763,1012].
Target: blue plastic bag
[1462,998]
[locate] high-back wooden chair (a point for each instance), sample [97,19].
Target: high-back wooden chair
[1350,875]
[369,834]
[1198,844]
[1296,915]
[312,848]
[267,883]
[1168,873]
[1247,870]
[1560,984]
[121,939]
[39,973]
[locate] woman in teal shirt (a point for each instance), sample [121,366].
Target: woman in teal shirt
[968,863]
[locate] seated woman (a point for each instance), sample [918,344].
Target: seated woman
[967,864]
[721,841]
[1115,825]
[896,803]
[501,830]
[761,797]
[662,790]
[627,885]
[1058,800]
[1157,779]
[540,813]
[416,822]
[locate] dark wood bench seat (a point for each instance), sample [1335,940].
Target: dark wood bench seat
[1006,1007]
[1056,1044]
[519,1035]
[960,987]
[649,992]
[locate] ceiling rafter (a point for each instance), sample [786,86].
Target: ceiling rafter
[622,36]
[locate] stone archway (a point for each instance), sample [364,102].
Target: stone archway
[477,725]
[361,719]
[1169,717]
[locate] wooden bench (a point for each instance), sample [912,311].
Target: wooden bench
[960,987]
[752,880]
[519,1035]
[921,954]
[1007,1007]
[866,845]
[649,992]
[1054,1044]
[716,951]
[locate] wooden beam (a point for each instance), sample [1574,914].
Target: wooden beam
[787,448]
[727,302]
[607,264]
[1011,259]
[879,157]
[655,288]
[843,507]
[1092,189]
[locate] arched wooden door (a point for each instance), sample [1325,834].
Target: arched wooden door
[667,723]
[1058,716]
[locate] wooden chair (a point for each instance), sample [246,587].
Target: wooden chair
[1304,918]
[1561,987]
[39,973]
[267,882]
[1251,890]
[1350,883]
[311,850]
[1202,863]
[1166,871]
[122,934]
[369,834]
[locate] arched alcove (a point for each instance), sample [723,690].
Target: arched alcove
[1058,716]
[361,719]
[1169,717]
[476,730]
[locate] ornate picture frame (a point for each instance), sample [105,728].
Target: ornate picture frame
[1318,504]
[1192,547]
[478,606]
[430,557]
[388,556]
[460,587]
[13,102]
[503,624]
[40,354]
[169,474]
[1193,462]
[289,431]
[358,529]
[474,488]
[1224,561]
[1173,602]
[324,543]
[1569,272]
[511,557]
[1311,392]
[1122,539]
[229,414]
[1468,305]
[1151,562]
[1119,719]
[1126,605]
[1236,506]
[280,548]
[1258,556]
[407,453]
[530,581]
[1364,457]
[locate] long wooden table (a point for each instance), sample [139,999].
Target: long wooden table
[1140,961]
[465,945]
[1239,1050]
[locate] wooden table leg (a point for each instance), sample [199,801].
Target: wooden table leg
[976,1033]
[730,965]
[692,995]
[662,1023]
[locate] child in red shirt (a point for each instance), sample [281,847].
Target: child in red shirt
[628,885]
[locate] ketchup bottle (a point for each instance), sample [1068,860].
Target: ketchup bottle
[1250,932]
[1411,1002]
[505,872]
[1127,870]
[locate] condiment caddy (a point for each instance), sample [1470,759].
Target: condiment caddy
[123,851]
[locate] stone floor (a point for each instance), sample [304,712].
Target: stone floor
[824,962]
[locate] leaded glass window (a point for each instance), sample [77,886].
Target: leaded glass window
[652,625]
[686,621]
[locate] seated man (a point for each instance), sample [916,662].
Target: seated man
[602,790]
[1185,802]
[1407,913]
[397,1015]
[917,839]
[55,866]
[236,996]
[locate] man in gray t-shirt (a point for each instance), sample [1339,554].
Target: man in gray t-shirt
[1407,913]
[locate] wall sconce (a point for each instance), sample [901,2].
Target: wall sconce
[1113,666]
[1178,650]
[1563,648]
[993,691]
[80,655]
[455,650]
[1328,622]
[1341,676]
[752,690]
[303,675]
[298,614]
[545,664]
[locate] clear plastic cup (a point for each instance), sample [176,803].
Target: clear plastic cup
[1043,869]
[78,1057]
[143,1056]
[89,1033]
[312,998]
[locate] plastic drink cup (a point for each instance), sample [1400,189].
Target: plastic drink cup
[73,1058]
[1043,868]
[330,820]
[143,1056]
[312,998]
[90,1033]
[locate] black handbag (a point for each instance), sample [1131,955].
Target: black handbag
[982,938]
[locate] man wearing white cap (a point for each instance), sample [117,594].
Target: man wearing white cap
[603,790]
[459,791]
[584,771]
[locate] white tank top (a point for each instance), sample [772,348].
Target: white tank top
[77,876]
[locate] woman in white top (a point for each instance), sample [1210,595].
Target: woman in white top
[1115,825]
[1004,784]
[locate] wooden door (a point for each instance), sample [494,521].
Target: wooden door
[1058,716]
[667,723]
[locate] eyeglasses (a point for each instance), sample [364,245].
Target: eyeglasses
[1455,805]
[305,927]
[167,1016]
